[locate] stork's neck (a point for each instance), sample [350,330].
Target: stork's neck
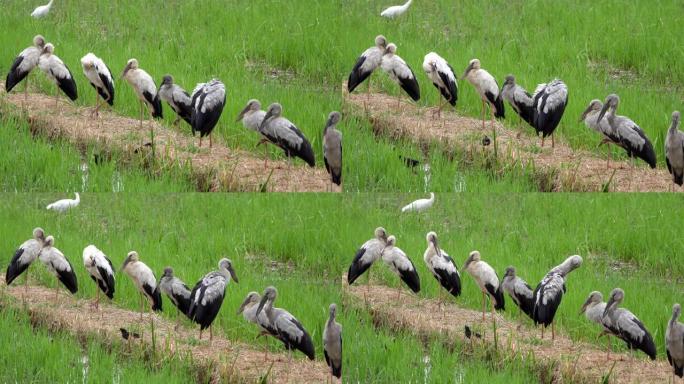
[408,3]
[49,4]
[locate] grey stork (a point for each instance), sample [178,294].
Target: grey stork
[144,87]
[628,327]
[208,100]
[549,293]
[443,78]
[488,281]
[519,291]
[100,77]
[177,98]
[442,266]
[26,254]
[401,265]
[144,281]
[369,60]
[101,270]
[487,87]
[674,151]
[593,309]
[550,100]
[366,255]
[58,72]
[248,309]
[23,64]
[590,119]
[632,137]
[332,148]
[284,134]
[58,265]
[674,343]
[207,295]
[519,99]
[252,115]
[177,291]
[400,72]
[332,343]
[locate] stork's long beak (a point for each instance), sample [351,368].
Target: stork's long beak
[584,114]
[128,259]
[603,111]
[467,70]
[263,301]
[126,69]
[232,274]
[242,113]
[610,303]
[584,306]
[243,305]
[434,242]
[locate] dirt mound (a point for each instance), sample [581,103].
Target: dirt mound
[239,361]
[577,170]
[229,169]
[577,361]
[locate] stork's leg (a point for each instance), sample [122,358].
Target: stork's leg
[483,115]
[553,331]
[177,320]
[200,333]
[175,122]
[26,90]
[23,298]
[56,291]
[141,114]
[97,299]
[542,140]
[56,95]
[542,327]
[483,306]
[142,306]
[211,336]
[553,144]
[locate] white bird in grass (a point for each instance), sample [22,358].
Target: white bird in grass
[487,87]
[144,281]
[100,78]
[101,270]
[442,267]
[629,328]
[284,134]
[58,265]
[590,119]
[674,151]
[443,78]
[26,254]
[420,204]
[488,281]
[332,344]
[593,309]
[64,204]
[674,343]
[248,309]
[42,10]
[252,116]
[23,64]
[367,254]
[144,87]
[396,10]
[58,72]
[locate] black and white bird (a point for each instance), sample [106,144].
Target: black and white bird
[101,270]
[590,119]
[64,205]
[100,77]
[550,100]
[549,293]
[284,134]
[674,150]
[488,281]
[369,60]
[400,72]
[176,290]
[367,254]
[58,265]
[519,291]
[443,78]
[26,254]
[674,343]
[144,281]
[593,309]
[332,343]
[332,148]
[23,64]
[289,330]
[208,100]
[207,295]
[144,87]
[628,327]
[401,265]
[487,87]
[519,99]
[632,137]
[58,72]
[177,98]
[442,266]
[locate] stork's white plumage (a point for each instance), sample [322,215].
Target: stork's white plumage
[488,281]
[26,254]
[549,292]
[442,266]
[487,87]
[23,64]
[400,72]
[144,87]
[208,100]
[593,309]
[100,77]
[64,205]
[420,204]
[248,309]
[332,148]
[442,76]
[369,60]
[58,72]
[144,281]
[178,99]
[367,254]
[396,10]
[401,265]
[42,11]
[674,150]
[101,270]
[58,265]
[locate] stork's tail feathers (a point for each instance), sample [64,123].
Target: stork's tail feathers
[156,300]
[337,177]
[68,278]
[679,179]
[679,370]
[499,107]
[157,108]
[500,304]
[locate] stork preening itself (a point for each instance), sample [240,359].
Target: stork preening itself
[58,72]
[144,281]
[488,281]
[208,100]
[549,293]
[628,327]
[101,270]
[332,343]
[401,265]
[518,290]
[396,10]
[632,137]
[590,119]
[42,11]
[284,134]
[519,99]
[207,295]
[289,330]
[442,267]
[177,291]
[443,78]
[550,100]
[58,265]
[64,205]
[23,64]
[177,98]
[144,87]
[369,60]
[368,254]
[593,309]
[487,87]
[674,151]
[332,149]
[400,72]
[674,343]
[100,77]
[26,254]
[419,205]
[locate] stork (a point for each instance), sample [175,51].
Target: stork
[632,137]
[332,149]
[550,100]
[207,295]
[590,119]
[23,64]
[42,11]
[58,265]
[629,328]
[488,281]
[58,72]
[396,10]
[674,343]
[487,87]
[100,77]
[420,204]
[284,134]
[101,270]
[289,330]
[332,343]
[519,99]
[177,98]
[144,87]
[177,291]
[368,254]
[401,265]
[369,60]
[400,72]
[443,78]
[208,100]
[549,292]
[64,205]
[442,266]
[144,281]
[26,254]
[248,309]
[519,291]
[252,115]
[593,309]
[674,151]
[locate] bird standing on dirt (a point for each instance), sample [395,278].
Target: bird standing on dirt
[332,149]
[58,72]
[207,295]
[487,280]
[369,60]
[248,309]
[593,309]
[590,119]
[674,151]
[487,87]
[284,134]
[419,205]
[177,291]
[400,72]
[100,77]
[144,87]
[627,326]
[401,265]
[674,343]
[26,254]
[64,205]
[549,293]
[442,266]
[518,290]
[332,343]
[101,270]
[550,100]
[443,78]
[58,265]
[366,255]
[23,64]
[177,98]
[208,100]
[144,281]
